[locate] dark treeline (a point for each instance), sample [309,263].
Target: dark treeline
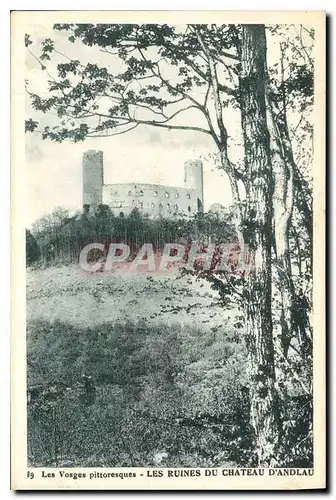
[61,237]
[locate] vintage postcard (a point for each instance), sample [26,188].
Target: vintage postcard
[168,274]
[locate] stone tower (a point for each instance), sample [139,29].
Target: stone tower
[193,178]
[93,177]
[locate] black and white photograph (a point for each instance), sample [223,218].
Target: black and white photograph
[171,330]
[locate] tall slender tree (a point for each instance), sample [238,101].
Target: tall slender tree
[264,412]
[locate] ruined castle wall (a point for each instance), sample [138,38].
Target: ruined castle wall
[193,178]
[93,177]
[150,199]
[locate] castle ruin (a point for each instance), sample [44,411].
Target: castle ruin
[152,200]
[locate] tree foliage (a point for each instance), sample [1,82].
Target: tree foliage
[32,248]
[60,237]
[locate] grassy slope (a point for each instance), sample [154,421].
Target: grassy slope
[166,377]
[68,294]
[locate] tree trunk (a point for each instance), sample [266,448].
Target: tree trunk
[258,235]
[282,173]
[283,170]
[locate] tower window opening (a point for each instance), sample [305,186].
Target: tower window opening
[155,193]
[129,193]
[141,204]
[176,207]
[152,204]
[141,192]
[160,206]
[168,206]
[167,194]
[188,196]
[189,208]
[177,195]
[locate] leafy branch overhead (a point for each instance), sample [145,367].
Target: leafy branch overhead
[161,74]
